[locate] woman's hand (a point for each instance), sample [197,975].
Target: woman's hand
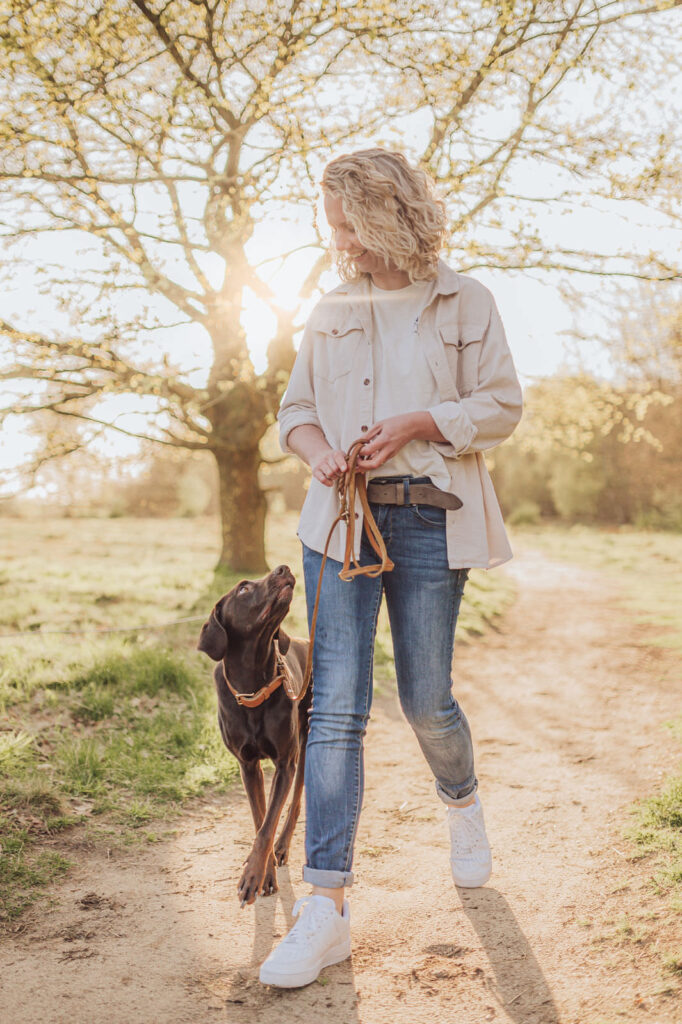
[328,466]
[388,436]
[310,444]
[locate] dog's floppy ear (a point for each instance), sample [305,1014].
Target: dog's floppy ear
[283,639]
[213,638]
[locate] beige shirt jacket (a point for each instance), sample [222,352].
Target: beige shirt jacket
[464,343]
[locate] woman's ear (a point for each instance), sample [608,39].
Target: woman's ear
[213,638]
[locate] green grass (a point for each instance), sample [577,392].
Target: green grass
[132,737]
[107,731]
[24,870]
[110,731]
[658,831]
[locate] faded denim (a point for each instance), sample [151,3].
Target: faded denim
[423,596]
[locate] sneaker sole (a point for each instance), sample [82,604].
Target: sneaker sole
[296,979]
[472,881]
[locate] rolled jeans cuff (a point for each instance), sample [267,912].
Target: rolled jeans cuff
[463,796]
[327,879]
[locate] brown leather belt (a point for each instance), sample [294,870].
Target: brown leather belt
[403,491]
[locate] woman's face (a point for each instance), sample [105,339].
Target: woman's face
[345,240]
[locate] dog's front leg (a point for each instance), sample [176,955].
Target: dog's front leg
[252,777]
[260,874]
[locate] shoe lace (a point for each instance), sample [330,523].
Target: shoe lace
[311,918]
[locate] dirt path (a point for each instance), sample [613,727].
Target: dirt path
[566,704]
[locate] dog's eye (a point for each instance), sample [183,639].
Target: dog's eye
[242,588]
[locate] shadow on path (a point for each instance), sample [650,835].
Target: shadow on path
[519,984]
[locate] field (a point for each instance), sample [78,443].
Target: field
[123,829]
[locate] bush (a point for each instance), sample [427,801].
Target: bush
[576,486]
[526,513]
[665,516]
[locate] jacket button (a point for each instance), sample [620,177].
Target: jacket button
[366,380]
[363,428]
[335,331]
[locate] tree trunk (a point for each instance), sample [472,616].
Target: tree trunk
[242,510]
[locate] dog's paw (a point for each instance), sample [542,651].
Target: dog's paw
[259,877]
[251,881]
[269,885]
[282,850]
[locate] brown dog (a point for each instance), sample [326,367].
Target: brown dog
[244,634]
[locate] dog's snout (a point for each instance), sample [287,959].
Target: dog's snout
[281,582]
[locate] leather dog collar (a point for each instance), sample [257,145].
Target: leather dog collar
[283,675]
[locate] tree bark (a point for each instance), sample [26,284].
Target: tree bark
[242,510]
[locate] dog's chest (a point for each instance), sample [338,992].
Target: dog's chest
[264,731]
[256,735]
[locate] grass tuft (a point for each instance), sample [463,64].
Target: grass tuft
[23,871]
[145,670]
[658,831]
[82,767]
[16,752]
[672,963]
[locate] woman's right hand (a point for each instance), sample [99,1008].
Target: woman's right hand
[329,466]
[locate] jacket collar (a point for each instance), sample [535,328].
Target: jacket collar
[445,283]
[357,293]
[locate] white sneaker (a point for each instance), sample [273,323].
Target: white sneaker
[470,857]
[320,938]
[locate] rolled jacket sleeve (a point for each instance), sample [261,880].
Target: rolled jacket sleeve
[489,414]
[298,402]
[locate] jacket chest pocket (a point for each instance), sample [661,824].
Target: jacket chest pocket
[338,350]
[462,343]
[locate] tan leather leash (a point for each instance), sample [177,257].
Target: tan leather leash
[350,484]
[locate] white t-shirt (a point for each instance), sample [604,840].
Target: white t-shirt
[403,381]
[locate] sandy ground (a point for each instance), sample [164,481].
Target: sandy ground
[566,704]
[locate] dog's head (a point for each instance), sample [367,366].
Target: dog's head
[250,610]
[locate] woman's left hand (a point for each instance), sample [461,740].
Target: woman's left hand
[387,437]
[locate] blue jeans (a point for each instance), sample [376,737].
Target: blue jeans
[423,596]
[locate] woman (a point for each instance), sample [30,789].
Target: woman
[412,356]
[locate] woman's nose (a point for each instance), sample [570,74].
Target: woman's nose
[342,241]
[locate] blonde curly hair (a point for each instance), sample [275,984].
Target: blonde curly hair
[392,209]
